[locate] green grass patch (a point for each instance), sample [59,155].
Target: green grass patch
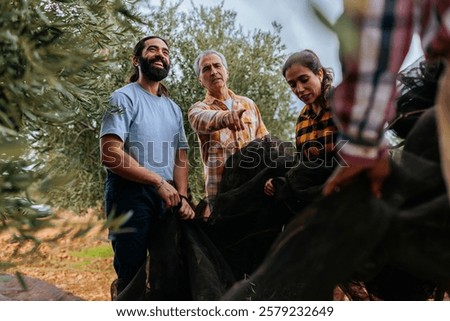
[89,255]
[101,252]
[6,265]
[83,265]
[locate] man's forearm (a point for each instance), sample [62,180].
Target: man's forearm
[181,172]
[207,121]
[115,159]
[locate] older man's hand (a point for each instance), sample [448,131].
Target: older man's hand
[233,120]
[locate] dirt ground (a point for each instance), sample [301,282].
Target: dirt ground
[79,265]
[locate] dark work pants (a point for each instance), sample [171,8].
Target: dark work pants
[131,242]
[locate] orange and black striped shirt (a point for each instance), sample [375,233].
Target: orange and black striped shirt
[315,134]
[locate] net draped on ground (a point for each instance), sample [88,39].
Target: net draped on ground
[299,245]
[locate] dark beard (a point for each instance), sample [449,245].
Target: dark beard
[154,73]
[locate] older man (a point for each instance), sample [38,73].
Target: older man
[223,121]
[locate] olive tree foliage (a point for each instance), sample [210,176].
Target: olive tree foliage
[61,60]
[55,55]
[96,35]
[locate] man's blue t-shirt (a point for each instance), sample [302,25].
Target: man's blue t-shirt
[151,127]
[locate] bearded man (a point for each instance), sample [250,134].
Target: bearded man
[144,150]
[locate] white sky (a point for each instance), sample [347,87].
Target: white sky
[301,29]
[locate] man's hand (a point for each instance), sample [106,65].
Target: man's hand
[377,174]
[186,212]
[168,193]
[233,120]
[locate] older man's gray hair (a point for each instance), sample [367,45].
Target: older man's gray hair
[206,53]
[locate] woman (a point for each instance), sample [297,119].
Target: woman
[315,131]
